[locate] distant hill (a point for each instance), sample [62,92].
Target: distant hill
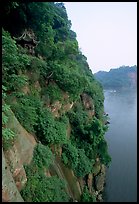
[122,77]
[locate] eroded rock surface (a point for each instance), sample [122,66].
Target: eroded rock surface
[13,160]
[10,192]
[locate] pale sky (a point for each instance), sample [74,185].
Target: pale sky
[106,32]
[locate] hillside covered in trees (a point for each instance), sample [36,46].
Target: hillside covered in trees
[53,125]
[122,77]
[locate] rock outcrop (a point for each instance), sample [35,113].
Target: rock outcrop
[13,173]
[10,191]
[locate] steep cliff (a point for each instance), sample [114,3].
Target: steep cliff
[53,125]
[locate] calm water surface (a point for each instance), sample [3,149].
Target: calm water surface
[121,177]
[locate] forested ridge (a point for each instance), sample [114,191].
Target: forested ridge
[122,77]
[48,87]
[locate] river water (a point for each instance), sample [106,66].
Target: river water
[121,176]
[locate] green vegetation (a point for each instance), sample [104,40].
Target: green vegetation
[86,141]
[70,155]
[50,130]
[8,136]
[56,72]
[84,166]
[86,196]
[54,93]
[26,105]
[122,77]
[42,156]
[40,188]
[103,153]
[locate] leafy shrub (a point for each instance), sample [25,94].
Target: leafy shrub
[70,155]
[84,164]
[96,131]
[89,150]
[8,135]
[68,79]
[10,52]
[50,130]
[17,82]
[53,92]
[26,108]
[12,60]
[64,119]
[78,118]
[39,67]
[86,196]
[103,153]
[91,131]
[8,138]
[40,188]
[42,156]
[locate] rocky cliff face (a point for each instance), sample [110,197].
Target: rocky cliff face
[53,122]
[21,153]
[13,172]
[10,192]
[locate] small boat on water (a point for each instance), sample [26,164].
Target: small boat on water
[112,91]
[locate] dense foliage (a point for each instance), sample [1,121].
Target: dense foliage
[87,138]
[40,188]
[8,135]
[87,197]
[57,73]
[50,130]
[43,156]
[122,77]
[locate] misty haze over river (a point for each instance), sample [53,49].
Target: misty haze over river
[121,177]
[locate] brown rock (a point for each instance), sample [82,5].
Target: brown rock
[10,192]
[89,182]
[20,153]
[103,169]
[99,181]
[87,101]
